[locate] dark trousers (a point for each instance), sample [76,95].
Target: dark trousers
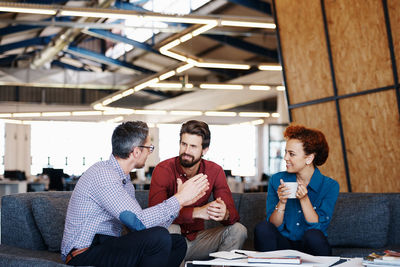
[268,238]
[149,247]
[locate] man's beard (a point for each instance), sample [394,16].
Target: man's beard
[186,163]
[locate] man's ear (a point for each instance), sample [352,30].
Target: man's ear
[204,151]
[136,152]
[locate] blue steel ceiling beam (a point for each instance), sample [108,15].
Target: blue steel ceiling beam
[258,5]
[21,28]
[243,45]
[118,38]
[67,66]
[78,51]
[15,29]
[29,42]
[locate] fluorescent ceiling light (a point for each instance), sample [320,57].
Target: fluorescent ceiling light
[186,37]
[168,85]
[275,115]
[145,84]
[184,68]
[26,114]
[128,92]
[173,55]
[5,115]
[186,112]
[257,122]
[116,97]
[27,9]
[98,14]
[270,67]
[170,45]
[221,86]
[204,28]
[118,111]
[107,101]
[87,113]
[280,88]
[249,24]
[254,114]
[222,65]
[220,113]
[260,87]
[167,75]
[98,106]
[56,114]
[12,121]
[150,112]
[179,19]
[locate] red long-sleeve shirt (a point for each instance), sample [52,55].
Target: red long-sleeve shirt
[163,186]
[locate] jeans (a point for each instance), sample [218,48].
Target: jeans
[268,238]
[153,247]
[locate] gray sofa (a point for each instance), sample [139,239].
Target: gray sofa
[32,224]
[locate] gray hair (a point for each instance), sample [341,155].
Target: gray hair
[128,135]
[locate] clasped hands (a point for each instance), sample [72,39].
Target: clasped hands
[283,191]
[215,210]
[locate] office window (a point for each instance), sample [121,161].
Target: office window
[232,146]
[71,146]
[2,145]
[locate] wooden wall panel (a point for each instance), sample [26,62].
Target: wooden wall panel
[359,45]
[372,135]
[394,15]
[304,50]
[326,121]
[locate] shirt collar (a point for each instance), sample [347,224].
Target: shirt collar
[316,181]
[179,169]
[115,165]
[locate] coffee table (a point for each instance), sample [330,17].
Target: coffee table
[309,260]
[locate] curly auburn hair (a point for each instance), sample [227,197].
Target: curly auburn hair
[313,140]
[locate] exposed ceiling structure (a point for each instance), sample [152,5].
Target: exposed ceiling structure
[149,60]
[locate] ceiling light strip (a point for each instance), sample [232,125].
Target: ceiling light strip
[254,114]
[220,113]
[221,86]
[270,67]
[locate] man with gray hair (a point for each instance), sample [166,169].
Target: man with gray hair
[103,201]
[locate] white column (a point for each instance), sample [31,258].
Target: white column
[17,154]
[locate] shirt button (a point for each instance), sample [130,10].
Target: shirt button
[299,211]
[297,224]
[314,207]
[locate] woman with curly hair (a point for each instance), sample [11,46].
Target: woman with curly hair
[299,223]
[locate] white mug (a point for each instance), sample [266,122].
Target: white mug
[292,188]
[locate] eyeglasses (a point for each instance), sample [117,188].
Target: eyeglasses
[151,148]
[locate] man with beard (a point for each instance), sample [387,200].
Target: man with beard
[194,143]
[103,201]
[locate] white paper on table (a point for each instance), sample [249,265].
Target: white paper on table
[306,258]
[243,262]
[227,255]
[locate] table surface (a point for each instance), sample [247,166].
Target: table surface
[308,260]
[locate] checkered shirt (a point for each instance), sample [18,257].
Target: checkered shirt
[102,193]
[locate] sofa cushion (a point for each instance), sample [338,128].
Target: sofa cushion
[360,221]
[50,213]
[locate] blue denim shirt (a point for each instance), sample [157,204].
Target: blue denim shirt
[322,192]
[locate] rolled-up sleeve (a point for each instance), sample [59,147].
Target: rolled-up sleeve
[326,207]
